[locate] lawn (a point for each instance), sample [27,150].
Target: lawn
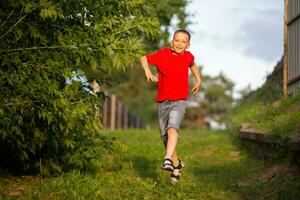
[216,168]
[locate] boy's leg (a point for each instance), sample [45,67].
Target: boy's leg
[175,117]
[170,116]
[171,145]
[174,157]
[171,150]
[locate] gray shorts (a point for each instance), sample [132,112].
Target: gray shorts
[170,114]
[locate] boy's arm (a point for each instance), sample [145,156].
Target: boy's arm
[148,73]
[196,74]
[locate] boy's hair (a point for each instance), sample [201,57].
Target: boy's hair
[182,31]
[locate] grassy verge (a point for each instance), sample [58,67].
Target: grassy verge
[265,108]
[216,168]
[280,117]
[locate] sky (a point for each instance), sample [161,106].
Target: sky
[242,39]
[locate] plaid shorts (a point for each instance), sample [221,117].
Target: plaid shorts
[170,114]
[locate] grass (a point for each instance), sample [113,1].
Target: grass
[216,168]
[281,117]
[267,110]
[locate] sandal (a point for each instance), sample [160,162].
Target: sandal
[168,165]
[180,166]
[175,176]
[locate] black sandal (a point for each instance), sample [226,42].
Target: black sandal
[180,166]
[168,165]
[175,178]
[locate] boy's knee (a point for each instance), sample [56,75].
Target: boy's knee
[172,131]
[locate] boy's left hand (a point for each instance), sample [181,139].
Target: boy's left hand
[196,87]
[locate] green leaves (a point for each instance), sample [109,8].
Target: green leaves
[48,13]
[45,119]
[29,7]
[50,10]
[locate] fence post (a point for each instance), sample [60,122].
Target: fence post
[105,113]
[131,122]
[125,117]
[113,112]
[119,115]
[285,58]
[137,124]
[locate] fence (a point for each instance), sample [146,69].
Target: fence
[292,47]
[118,116]
[115,114]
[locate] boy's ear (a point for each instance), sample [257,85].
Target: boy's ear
[189,45]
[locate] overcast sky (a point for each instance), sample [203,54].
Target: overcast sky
[243,39]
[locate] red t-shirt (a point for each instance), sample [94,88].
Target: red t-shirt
[172,73]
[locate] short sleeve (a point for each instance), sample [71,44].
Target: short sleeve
[191,59]
[154,58]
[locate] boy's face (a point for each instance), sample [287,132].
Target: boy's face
[180,42]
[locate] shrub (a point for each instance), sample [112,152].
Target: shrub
[46,123]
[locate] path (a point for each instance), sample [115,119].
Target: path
[215,169]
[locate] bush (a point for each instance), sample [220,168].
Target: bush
[46,123]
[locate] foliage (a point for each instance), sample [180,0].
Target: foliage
[167,12]
[47,122]
[266,108]
[215,169]
[212,103]
[138,95]
[280,117]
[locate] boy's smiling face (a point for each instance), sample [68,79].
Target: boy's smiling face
[180,42]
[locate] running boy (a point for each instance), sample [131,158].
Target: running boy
[172,65]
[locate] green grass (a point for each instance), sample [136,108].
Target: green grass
[280,117]
[266,109]
[216,168]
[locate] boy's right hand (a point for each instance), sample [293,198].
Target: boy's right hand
[150,76]
[148,73]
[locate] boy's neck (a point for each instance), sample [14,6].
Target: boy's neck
[174,52]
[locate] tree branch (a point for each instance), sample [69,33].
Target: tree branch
[12,27]
[56,47]
[131,27]
[10,14]
[12,104]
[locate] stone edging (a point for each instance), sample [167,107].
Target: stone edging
[291,144]
[293,141]
[253,135]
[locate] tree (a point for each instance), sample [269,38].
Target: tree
[212,103]
[166,11]
[134,90]
[46,120]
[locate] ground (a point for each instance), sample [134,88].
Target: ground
[217,167]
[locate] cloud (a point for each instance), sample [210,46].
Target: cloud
[262,35]
[243,40]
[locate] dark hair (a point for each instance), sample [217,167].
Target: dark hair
[182,31]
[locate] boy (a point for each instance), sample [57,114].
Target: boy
[172,65]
